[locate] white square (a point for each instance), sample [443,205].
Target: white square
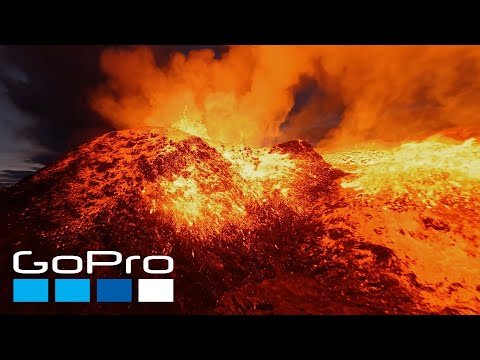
[155,290]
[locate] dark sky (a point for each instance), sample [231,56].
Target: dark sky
[44,110]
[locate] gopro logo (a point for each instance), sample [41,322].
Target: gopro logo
[91,263]
[78,290]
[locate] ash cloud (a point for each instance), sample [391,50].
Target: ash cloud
[251,94]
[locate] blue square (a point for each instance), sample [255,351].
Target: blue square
[72,290]
[30,290]
[114,290]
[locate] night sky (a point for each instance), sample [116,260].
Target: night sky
[44,109]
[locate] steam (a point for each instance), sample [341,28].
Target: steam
[329,95]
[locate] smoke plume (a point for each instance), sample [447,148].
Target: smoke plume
[327,95]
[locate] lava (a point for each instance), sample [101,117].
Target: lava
[436,171]
[279,229]
[196,195]
[422,199]
[280,179]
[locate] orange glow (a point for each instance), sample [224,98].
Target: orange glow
[402,121]
[205,200]
[418,202]
[387,93]
[423,200]
[434,172]
[243,97]
[203,188]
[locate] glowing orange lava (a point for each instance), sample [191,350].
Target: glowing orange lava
[421,199]
[436,171]
[206,200]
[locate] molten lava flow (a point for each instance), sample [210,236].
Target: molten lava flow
[436,171]
[423,200]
